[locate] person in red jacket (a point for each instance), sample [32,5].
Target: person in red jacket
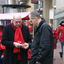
[55,37]
[2,48]
[60,31]
[54,31]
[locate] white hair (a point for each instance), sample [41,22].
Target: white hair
[35,14]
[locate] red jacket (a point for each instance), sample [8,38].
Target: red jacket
[29,53]
[60,33]
[55,37]
[55,34]
[1,46]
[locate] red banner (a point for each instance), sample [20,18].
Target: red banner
[34,1]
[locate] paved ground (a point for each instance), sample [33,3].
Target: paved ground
[57,59]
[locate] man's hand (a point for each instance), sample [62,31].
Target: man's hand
[25,45]
[37,62]
[17,45]
[2,56]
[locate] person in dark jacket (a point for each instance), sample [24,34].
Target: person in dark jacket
[14,36]
[42,45]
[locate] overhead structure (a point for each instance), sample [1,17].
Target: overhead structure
[9,16]
[47,5]
[11,1]
[16,5]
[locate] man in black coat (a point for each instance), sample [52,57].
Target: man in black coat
[8,40]
[42,45]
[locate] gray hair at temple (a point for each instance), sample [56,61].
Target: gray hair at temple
[35,14]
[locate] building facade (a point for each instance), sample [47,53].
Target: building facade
[59,12]
[44,7]
[48,10]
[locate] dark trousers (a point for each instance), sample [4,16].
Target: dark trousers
[62,44]
[19,62]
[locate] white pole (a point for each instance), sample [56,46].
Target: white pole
[11,2]
[39,5]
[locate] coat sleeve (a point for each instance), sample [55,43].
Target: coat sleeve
[29,38]
[5,38]
[45,43]
[58,32]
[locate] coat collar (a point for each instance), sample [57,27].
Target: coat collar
[42,21]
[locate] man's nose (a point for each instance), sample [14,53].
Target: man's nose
[18,23]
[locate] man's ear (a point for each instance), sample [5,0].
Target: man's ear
[11,21]
[35,18]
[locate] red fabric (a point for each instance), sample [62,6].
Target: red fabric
[19,57]
[29,53]
[55,37]
[55,42]
[55,34]
[18,37]
[30,28]
[3,53]
[60,33]
[1,46]
[0,38]
[0,35]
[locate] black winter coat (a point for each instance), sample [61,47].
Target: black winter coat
[8,39]
[42,46]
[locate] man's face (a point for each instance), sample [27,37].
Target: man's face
[33,20]
[62,23]
[17,22]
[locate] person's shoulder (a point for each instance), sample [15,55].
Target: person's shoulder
[25,27]
[59,27]
[7,26]
[45,24]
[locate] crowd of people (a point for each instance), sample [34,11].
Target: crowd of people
[58,35]
[16,42]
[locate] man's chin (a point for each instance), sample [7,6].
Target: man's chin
[17,26]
